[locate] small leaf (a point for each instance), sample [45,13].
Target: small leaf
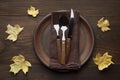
[13,31]
[19,64]
[31,11]
[103,24]
[103,61]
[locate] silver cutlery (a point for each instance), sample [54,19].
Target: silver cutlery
[70,27]
[57,28]
[63,22]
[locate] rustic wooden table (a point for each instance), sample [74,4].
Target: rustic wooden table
[14,12]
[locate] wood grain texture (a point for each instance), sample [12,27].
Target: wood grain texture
[14,12]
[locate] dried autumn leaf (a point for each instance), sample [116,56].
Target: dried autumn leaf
[32,11]
[13,31]
[103,61]
[19,64]
[103,24]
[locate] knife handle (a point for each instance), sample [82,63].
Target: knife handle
[59,51]
[67,48]
[63,52]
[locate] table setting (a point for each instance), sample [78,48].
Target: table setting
[57,40]
[67,41]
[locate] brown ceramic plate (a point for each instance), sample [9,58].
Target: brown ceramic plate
[41,40]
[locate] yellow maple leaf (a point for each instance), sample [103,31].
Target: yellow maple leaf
[103,24]
[13,31]
[103,61]
[19,64]
[32,11]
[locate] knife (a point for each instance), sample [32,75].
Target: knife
[71,24]
[68,41]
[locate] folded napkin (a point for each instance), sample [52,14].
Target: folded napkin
[73,62]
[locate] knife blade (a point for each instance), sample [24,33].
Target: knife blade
[68,41]
[71,24]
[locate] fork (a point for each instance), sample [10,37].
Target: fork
[63,22]
[57,28]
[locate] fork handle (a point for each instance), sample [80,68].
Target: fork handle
[63,52]
[59,51]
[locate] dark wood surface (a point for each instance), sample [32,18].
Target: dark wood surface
[14,12]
